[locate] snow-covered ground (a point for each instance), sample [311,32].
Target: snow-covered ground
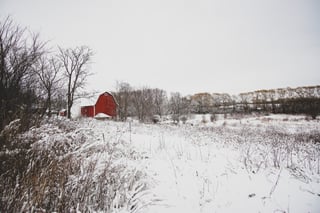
[238,164]
[256,164]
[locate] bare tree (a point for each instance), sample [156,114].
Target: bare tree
[244,100]
[179,105]
[262,99]
[59,98]
[272,97]
[122,96]
[175,103]
[160,98]
[202,102]
[75,63]
[48,71]
[226,101]
[19,51]
[142,102]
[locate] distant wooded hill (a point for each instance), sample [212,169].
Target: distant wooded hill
[283,100]
[145,102]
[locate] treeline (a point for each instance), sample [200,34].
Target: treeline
[148,103]
[35,77]
[300,100]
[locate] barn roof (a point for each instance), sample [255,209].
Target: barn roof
[115,100]
[86,102]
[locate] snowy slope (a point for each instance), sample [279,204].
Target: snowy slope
[261,164]
[252,164]
[236,168]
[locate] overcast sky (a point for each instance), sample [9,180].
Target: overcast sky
[187,46]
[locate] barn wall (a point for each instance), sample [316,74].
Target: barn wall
[87,111]
[106,104]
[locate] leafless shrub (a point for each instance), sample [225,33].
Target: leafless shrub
[184,119]
[278,148]
[254,158]
[213,117]
[204,120]
[155,119]
[175,118]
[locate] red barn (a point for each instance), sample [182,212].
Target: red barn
[87,111]
[105,104]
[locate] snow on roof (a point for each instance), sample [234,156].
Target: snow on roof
[102,115]
[92,100]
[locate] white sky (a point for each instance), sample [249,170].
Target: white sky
[187,46]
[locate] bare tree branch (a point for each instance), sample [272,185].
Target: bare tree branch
[75,64]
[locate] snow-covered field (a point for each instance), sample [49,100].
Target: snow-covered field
[252,164]
[266,164]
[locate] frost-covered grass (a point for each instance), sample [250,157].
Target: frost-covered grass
[239,164]
[71,166]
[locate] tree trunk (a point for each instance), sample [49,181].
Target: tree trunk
[49,104]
